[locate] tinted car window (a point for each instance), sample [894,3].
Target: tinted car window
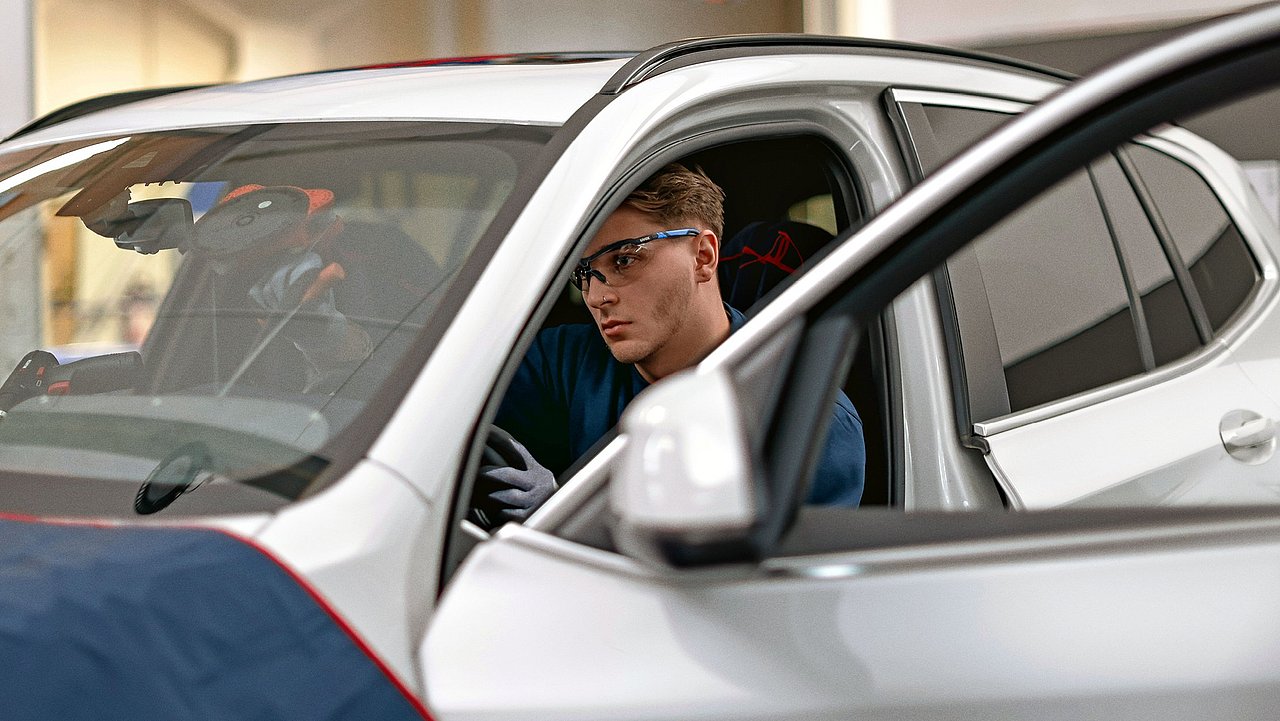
[1164,307]
[1223,270]
[261,282]
[1057,298]
[940,132]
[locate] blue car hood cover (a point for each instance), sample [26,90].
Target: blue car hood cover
[146,623]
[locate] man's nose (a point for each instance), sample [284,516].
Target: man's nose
[598,294]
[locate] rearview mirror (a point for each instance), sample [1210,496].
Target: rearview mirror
[147,226]
[684,491]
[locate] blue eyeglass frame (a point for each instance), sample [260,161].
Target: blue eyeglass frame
[583,273]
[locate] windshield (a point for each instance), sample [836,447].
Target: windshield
[208,309]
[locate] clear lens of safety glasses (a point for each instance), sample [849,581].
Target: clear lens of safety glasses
[620,262]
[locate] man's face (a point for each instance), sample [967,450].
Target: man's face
[638,319]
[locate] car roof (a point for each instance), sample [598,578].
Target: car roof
[539,89]
[521,93]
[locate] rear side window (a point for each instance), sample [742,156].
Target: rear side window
[1057,297]
[1164,307]
[1222,269]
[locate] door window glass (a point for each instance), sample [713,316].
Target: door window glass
[1057,298]
[1223,270]
[1169,322]
[955,129]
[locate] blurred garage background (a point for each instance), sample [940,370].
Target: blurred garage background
[56,52]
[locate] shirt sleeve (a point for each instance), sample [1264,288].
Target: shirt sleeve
[841,470]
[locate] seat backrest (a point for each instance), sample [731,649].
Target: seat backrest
[760,255]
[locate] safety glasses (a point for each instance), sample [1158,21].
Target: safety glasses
[620,262]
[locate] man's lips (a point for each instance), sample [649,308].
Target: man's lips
[613,328]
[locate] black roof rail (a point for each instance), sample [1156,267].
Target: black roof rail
[651,62]
[94,104]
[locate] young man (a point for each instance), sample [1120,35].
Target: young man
[649,279]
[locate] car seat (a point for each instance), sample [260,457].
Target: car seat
[752,263]
[760,255]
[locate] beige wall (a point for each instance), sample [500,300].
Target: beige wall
[989,21]
[513,26]
[90,47]
[84,48]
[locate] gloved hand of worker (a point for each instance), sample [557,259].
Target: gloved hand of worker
[511,484]
[285,286]
[302,284]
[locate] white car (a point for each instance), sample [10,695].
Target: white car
[231,520]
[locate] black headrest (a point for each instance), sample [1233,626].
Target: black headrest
[760,255]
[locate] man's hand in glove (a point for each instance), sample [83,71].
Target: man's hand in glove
[511,484]
[324,335]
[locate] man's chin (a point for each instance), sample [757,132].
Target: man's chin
[628,351]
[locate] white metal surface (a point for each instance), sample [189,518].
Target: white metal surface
[368,547]
[685,467]
[1136,627]
[468,358]
[534,94]
[1156,439]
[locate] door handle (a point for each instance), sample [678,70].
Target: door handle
[1248,436]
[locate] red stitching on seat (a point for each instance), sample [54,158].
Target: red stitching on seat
[782,244]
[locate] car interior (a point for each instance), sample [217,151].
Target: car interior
[786,200]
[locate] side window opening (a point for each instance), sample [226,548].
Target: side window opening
[1168,319]
[796,185]
[1103,312]
[1222,269]
[1057,298]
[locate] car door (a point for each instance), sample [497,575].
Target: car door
[833,613]
[1085,331]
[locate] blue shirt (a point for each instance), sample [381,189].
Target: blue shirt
[570,390]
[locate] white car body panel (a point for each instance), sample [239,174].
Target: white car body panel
[467,359]
[527,94]
[366,545]
[1154,440]
[935,633]
[1150,447]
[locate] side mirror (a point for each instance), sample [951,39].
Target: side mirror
[684,491]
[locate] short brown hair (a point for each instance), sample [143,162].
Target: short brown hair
[677,195]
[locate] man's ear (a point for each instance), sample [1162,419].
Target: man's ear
[707,256]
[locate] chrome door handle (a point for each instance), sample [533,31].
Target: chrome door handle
[1248,436]
[1250,433]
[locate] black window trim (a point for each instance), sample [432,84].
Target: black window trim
[1262,259]
[967,390]
[1141,330]
[1180,272]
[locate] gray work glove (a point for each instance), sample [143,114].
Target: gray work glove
[283,289]
[324,335]
[511,484]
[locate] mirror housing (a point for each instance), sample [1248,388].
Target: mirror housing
[147,226]
[684,492]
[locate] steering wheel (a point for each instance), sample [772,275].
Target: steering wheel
[500,449]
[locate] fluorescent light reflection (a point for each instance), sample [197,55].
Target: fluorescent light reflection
[62,161]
